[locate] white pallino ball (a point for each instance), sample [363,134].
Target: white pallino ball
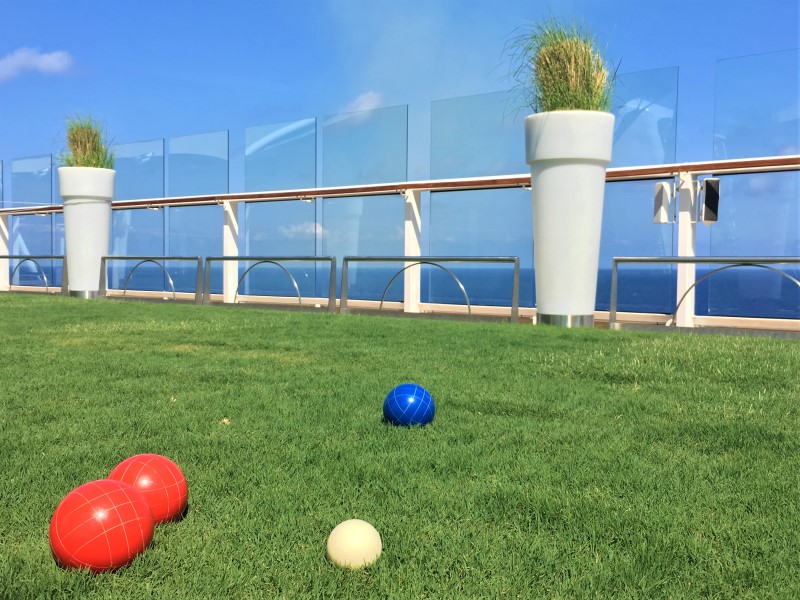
[354,544]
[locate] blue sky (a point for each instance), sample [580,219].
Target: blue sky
[160,69]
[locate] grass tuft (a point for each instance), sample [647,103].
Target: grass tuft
[86,145]
[559,67]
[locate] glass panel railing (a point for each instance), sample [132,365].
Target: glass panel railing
[645,106]
[480,223]
[628,230]
[759,215]
[280,229]
[194,231]
[137,233]
[197,164]
[140,170]
[281,156]
[476,135]
[32,235]
[31,181]
[756,105]
[365,147]
[364,227]
[362,148]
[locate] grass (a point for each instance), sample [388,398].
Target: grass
[559,67]
[86,145]
[560,464]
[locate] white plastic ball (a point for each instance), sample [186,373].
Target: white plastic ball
[354,544]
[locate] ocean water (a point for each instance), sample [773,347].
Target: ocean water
[746,292]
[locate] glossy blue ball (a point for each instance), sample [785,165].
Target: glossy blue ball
[409,404]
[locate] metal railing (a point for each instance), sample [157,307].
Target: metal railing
[685,190]
[158,261]
[34,258]
[433,261]
[729,262]
[276,261]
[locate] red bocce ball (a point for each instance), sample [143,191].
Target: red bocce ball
[100,525]
[160,481]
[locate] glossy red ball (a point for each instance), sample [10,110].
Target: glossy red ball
[101,525]
[160,481]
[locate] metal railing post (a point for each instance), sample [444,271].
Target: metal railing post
[612,312]
[343,294]
[5,282]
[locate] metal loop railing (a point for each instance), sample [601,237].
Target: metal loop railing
[155,262]
[434,264]
[275,260]
[729,262]
[159,261]
[269,262]
[433,260]
[23,258]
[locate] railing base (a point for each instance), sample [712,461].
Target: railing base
[572,321]
[83,294]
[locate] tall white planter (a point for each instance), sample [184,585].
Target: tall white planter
[87,193]
[568,152]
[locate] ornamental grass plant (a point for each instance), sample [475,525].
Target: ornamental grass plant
[87,145]
[559,67]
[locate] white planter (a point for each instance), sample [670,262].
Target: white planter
[568,152]
[87,193]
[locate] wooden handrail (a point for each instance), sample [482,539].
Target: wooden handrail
[723,167]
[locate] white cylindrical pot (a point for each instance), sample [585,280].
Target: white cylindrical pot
[87,193]
[568,152]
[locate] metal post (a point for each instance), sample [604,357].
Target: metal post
[343,295]
[5,282]
[198,283]
[515,292]
[103,292]
[612,312]
[207,284]
[687,236]
[413,247]
[332,287]
[230,247]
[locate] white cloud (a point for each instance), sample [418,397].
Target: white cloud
[366,101]
[302,230]
[31,59]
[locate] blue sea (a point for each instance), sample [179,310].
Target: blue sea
[745,292]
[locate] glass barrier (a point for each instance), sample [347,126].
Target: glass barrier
[645,109]
[2,195]
[140,170]
[477,135]
[194,231]
[137,233]
[628,230]
[280,229]
[32,235]
[756,105]
[282,156]
[31,181]
[759,215]
[365,147]
[197,164]
[480,223]
[371,226]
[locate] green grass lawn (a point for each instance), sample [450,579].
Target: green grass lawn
[560,464]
